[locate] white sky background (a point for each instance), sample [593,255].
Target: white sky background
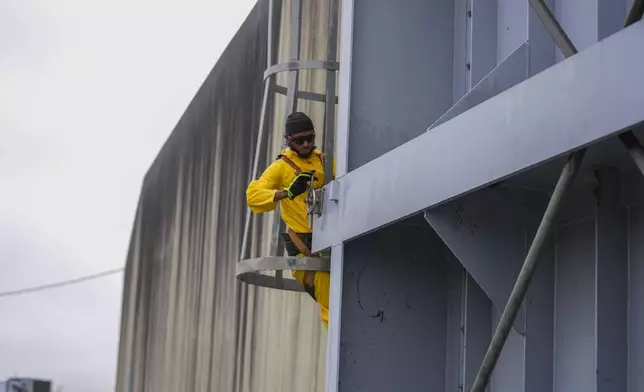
[89,91]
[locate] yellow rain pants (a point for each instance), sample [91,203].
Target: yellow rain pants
[321,285]
[260,195]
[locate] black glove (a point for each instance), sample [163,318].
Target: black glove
[299,184]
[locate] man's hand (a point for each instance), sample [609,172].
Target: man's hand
[280,195]
[299,184]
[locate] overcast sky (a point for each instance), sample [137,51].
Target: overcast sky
[89,91]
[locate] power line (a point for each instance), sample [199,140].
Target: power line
[60,284]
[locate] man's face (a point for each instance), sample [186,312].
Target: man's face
[302,142]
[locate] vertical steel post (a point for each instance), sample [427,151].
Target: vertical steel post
[468,46]
[329,113]
[628,138]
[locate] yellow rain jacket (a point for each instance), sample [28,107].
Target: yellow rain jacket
[260,194]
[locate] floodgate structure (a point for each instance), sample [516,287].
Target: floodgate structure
[483,230]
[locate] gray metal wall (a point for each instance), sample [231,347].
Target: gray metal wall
[187,323]
[404,54]
[579,328]
[417,58]
[394,311]
[422,296]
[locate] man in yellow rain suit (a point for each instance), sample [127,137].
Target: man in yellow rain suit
[286,181]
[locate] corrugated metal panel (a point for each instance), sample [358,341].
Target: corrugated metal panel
[187,323]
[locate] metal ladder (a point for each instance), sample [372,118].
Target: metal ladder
[566,179]
[251,270]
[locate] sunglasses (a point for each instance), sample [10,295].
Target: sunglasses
[301,139]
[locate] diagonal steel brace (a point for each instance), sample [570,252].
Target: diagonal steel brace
[563,184]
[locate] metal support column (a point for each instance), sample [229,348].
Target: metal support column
[568,49]
[565,181]
[329,114]
[628,138]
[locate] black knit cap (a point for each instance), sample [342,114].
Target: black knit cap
[298,122]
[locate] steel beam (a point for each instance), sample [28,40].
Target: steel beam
[564,43]
[482,39]
[525,123]
[636,297]
[527,271]
[487,232]
[329,112]
[340,157]
[477,327]
[543,53]
[554,28]
[335,322]
[628,138]
[344,88]
[565,181]
[611,283]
